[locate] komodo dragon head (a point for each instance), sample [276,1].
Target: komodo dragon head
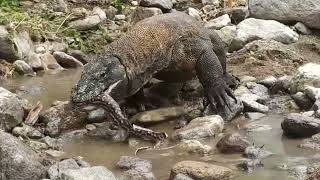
[100,75]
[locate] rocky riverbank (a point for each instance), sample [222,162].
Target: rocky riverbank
[273,47]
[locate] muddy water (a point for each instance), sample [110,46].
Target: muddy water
[48,88]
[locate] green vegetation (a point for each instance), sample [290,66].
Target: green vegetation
[51,27]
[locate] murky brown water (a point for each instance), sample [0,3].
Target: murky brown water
[100,152]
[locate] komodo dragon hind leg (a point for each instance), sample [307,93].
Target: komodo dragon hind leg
[216,91]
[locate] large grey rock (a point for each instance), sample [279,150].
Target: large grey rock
[250,29]
[200,127]
[90,173]
[17,161]
[7,50]
[11,110]
[27,131]
[23,68]
[302,100]
[165,5]
[232,143]
[218,22]
[23,44]
[201,170]
[308,74]
[55,171]
[144,12]
[136,168]
[66,60]
[306,11]
[299,125]
[97,17]
[50,64]
[227,34]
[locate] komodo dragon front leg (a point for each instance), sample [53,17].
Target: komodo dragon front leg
[210,73]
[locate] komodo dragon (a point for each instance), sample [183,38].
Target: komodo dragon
[171,47]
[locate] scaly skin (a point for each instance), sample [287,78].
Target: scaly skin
[171,47]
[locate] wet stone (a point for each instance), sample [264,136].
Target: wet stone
[312,143]
[254,115]
[257,152]
[97,116]
[135,168]
[194,146]
[200,170]
[250,165]
[27,131]
[302,100]
[66,60]
[232,143]
[55,170]
[298,125]
[200,127]
[182,177]
[269,81]
[256,127]
[92,173]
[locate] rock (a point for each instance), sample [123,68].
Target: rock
[72,135]
[104,131]
[97,17]
[283,84]
[250,165]
[79,55]
[307,75]
[302,101]
[27,131]
[55,154]
[50,63]
[306,12]
[11,110]
[136,168]
[17,161]
[237,14]
[182,177]
[97,116]
[269,81]
[194,13]
[23,44]
[66,60]
[227,34]
[194,146]
[57,169]
[244,91]
[312,143]
[256,152]
[92,173]
[253,116]
[52,142]
[210,2]
[61,6]
[302,29]
[144,12]
[7,50]
[232,143]
[111,12]
[90,127]
[164,5]
[250,104]
[158,115]
[258,89]
[298,125]
[201,170]
[54,46]
[250,29]
[22,68]
[61,118]
[312,92]
[246,79]
[218,22]
[40,49]
[35,62]
[200,127]
[37,146]
[120,17]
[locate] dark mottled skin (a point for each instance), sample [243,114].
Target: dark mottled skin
[171,47]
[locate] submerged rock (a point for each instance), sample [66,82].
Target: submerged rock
[255,115]
[312,143]
[11,110]
[200,127]
[232,143]
[299,125]
[201,170]
[250,30]
[257,152]
[18,161]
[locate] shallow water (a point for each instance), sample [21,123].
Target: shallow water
[101,152]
